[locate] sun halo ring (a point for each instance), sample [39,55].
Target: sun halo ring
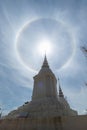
[18,53]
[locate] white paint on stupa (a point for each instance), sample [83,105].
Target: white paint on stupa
[45,83]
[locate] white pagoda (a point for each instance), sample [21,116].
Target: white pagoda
[46,101]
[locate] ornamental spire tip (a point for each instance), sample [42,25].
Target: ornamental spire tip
[45,63]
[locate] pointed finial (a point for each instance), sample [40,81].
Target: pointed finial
[45,63]
[45,52]
[60,90]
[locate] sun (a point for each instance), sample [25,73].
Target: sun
[45,36]
[44,47]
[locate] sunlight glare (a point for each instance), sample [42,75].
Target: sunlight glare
[45,47]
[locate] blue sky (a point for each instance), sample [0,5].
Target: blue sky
[23,26]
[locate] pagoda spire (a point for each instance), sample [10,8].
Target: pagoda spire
[44,83]
[45,63]
[60,91]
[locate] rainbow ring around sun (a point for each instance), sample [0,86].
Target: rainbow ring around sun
[45,36]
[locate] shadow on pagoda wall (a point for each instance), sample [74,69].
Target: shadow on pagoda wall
[56,123]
